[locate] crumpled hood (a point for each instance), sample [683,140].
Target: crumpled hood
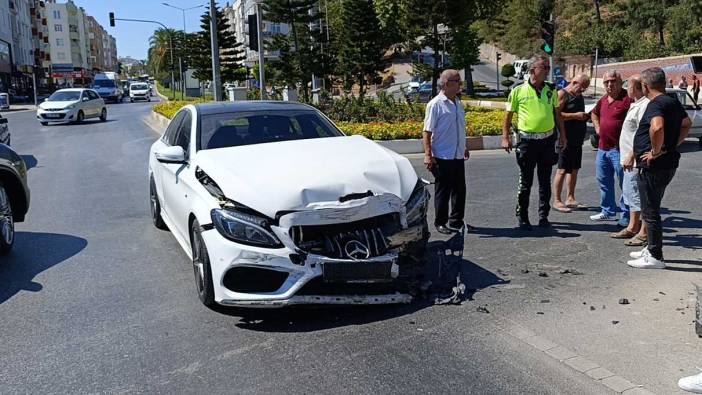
[56,104]
[292,174]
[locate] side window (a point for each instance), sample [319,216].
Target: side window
[183,135]
[93,95]
[170,134]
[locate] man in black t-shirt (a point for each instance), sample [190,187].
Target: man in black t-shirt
[664,126]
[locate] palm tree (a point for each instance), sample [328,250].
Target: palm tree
[159,50]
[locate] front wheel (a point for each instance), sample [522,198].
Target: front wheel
[103,115]
[7,223]
[80,117]
[155,206]
[201,266]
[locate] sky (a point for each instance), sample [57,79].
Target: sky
[133,37]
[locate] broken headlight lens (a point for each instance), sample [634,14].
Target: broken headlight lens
[416,206]
[244,228]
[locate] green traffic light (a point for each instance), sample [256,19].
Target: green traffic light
[547,48]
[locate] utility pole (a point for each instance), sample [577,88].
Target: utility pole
[216,82]
[553,50]
[180,62]
[261,68]
[597,54]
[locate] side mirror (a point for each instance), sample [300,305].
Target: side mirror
[86,98]
[174,154]
[46,99]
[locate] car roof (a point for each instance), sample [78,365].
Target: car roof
[253,105]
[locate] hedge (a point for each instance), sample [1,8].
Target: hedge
[480,121]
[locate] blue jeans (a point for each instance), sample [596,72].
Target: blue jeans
[608,164]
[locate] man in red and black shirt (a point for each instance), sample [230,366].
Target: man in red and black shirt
[608,117]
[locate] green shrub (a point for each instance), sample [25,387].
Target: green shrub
[169,108]
[507,70]
[366,110]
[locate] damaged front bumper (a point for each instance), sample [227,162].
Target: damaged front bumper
[378,263]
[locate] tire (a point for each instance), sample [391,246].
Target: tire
[7,223]
[148,99]
[103,115]
[80,117]
[201,267]
[44,123]
[131,100]
[155,206]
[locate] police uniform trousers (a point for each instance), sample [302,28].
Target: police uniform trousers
[539,154]
[450,185]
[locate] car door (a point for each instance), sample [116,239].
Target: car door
[695,113]
[175,190]
[94,103]
[83,104]
[157,168]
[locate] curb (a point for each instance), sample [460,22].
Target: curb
[159,123]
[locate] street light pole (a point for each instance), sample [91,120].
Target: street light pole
[259,27]
[170,42]
[180,62]
[216,83]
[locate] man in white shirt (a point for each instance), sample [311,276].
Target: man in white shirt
[635,233]
[445,150]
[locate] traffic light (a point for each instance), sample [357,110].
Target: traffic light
[119,68]
[548,33]
[498,56]
[112,19]
[253,32]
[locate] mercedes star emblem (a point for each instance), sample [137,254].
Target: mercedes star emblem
[356,250]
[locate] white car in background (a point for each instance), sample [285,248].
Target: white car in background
[275,206]
[71,105]
[139,91]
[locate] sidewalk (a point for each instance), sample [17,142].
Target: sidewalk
[20,107]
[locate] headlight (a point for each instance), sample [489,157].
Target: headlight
[244,228]
[71,107]
[417,204]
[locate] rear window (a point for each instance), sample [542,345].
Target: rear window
[258,127]
[138,87]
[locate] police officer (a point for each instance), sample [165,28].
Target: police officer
[537,107]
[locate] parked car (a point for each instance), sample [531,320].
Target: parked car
[694,111]
[14,195]
[422,94]
[276,206]
[414,83]
[71,105]
[139,91]
[520,69]
[5,136]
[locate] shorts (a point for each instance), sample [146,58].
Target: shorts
[630,190]
[570,158]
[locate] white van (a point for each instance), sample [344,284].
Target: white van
[108,86]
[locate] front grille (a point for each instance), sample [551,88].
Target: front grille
[60,116]
[53,109]
[339,240]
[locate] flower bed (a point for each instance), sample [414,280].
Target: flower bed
[480,122]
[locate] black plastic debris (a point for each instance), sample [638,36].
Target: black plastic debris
[571,271]
[525,271]
[540,312]
[615,322]
[592,308]
[656,300]
[482,309]
[545,301]
[661,292]
[543,274]
[623,301]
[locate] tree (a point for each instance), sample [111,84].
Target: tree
[298,14]
[231,53]
[361,49]
[159,59]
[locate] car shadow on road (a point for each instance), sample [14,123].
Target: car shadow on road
[32,254]
[30,160]
[438,270]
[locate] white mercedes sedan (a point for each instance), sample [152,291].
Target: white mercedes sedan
[276,206]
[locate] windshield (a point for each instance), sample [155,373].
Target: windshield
[138,87]
[258,127]
[104,84]
[65,96]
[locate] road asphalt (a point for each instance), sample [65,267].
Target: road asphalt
[94,299]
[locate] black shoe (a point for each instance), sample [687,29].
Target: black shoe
[444,230]
[524,224]
[455,227]
[543,223]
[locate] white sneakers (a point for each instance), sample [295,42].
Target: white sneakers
[644,260]
[603,217]
[691,383]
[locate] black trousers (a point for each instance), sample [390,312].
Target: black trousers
[652,184]
[450,185]
[540,155]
